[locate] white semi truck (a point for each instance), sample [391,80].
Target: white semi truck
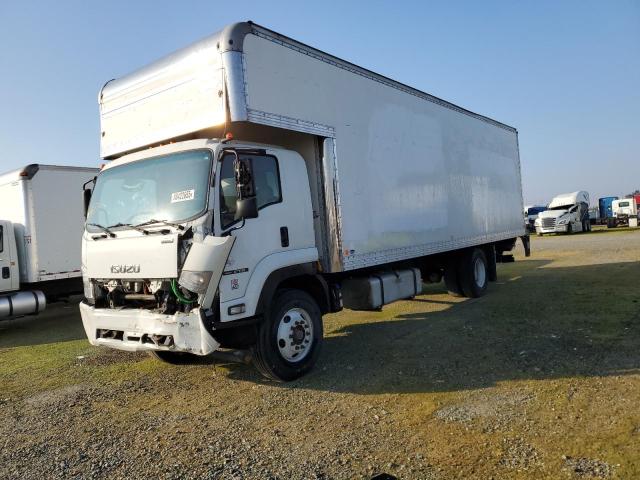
[41,223]
[625,212]
[567,213]
[257,183]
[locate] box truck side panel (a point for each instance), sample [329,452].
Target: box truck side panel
[57,222]
[415,177]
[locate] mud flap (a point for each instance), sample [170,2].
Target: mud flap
[526,243]
[209,256]
[492,269]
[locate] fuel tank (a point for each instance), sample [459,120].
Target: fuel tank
[22,303]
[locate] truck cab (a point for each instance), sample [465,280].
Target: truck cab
[13,302]
[160,228]
[10,277]
[567,213]
[625,211]
[530,214]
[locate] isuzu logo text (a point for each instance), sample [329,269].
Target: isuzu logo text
[125,268]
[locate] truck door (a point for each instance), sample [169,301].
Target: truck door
[8,263]
[285,221]
[258,237]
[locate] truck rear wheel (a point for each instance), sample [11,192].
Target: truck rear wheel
[473,273]
[290,336]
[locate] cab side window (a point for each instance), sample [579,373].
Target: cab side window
[266,178]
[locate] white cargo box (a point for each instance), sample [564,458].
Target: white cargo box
[44,203]
[395,173]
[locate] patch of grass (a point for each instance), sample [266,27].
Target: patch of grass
[546,365]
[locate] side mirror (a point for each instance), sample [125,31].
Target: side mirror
[246,208]
[86,199]
[246,203]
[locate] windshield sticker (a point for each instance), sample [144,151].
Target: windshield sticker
[182,196]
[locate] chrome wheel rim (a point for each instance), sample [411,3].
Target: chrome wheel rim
[295,335]
[479,272]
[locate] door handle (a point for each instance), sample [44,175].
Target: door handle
[284,236]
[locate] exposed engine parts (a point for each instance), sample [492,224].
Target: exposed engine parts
[159,295]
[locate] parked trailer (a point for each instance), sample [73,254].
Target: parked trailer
[257,183]
[41,223]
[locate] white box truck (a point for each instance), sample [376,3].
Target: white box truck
[41,224]
[567,213]
[257,183]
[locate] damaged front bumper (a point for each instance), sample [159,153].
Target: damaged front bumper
[141,330]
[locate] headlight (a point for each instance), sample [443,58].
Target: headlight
[197,282]
[563,221]
[537,222]
[88,288]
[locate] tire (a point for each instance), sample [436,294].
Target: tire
[451,278]
[473,273]
[290,337]
[174,358]
[569,229]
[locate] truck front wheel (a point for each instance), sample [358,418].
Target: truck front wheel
[289,337]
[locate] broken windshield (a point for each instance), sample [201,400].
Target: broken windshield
[172,187]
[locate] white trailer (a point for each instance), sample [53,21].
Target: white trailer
[41,224]
[257,182]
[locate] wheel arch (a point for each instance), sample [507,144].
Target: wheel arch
[300,277]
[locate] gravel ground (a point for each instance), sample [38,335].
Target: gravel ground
[513,385]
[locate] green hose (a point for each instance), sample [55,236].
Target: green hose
[181,298]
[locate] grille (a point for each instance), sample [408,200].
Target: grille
[548,222]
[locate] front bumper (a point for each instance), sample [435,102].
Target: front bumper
[556,229]
[140,330]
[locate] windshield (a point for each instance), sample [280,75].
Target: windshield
[535,210]
[170,188]
[561,207]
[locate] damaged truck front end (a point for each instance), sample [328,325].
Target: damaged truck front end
[150,266]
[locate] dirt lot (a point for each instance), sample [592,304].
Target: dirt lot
[539,379]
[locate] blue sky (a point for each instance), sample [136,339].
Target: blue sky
[566,74]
